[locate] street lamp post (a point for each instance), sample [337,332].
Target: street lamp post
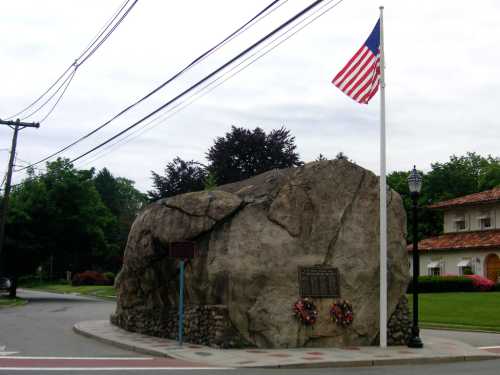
[415,185]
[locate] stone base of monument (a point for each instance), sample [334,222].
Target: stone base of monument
[262,245]
[203,325]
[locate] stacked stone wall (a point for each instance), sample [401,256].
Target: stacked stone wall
[203,325]
[399,325]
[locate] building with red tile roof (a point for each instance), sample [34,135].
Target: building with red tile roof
[471,238]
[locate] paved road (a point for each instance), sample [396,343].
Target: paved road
[43,328]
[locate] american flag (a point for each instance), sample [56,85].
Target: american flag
[359,79]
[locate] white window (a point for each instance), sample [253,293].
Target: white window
[485,222]
[465,267]
[435,268]
[460,224]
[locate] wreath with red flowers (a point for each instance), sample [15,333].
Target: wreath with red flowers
[305,311]
[341,313]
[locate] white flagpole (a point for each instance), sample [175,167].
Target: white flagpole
[383,195]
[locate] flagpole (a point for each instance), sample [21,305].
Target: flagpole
[383,195]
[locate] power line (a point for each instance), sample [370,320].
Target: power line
[66,82]
[207,77]
[207,89]
[260,15]
[92,47]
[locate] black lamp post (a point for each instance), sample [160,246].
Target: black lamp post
[415,185]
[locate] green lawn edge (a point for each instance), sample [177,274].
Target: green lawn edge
[99,291]
[6,302]
[463,311]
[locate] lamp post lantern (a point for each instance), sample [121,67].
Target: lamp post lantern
[415,185]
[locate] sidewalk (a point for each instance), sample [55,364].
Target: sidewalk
[435,350]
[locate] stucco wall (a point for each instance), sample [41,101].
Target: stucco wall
[449,260]
[471,215]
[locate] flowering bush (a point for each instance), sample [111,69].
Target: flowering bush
[90,278]
[305,311]
[481,283]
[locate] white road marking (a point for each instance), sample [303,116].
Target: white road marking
[6,354]
[489,347]
[109,368]
[82,358]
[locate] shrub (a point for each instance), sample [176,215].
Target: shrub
[481,283]
[110,276]
[496,287]
[441,284]
[90,278]
[450,283]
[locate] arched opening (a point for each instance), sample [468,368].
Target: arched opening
[492,262]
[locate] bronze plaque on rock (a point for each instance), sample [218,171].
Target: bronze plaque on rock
[319,282]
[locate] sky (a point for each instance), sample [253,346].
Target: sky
[442,80]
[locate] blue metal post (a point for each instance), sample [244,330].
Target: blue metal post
[181,300]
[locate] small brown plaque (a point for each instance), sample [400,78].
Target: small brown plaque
[182,249]
[319,282]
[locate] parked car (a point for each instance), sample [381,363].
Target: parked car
[5,284]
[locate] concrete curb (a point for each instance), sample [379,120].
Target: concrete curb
[384,362]
[457,329]
[120,345]
[362,362]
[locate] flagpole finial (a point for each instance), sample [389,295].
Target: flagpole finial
[381,7]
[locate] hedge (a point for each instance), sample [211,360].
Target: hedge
[441,284]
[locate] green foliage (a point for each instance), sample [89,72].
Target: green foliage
[461,175]
[110,276]
[180,177]
[58,214]
[210,182]
[240,154]
[321,157]
[243,153]
[123,201]
[67,219]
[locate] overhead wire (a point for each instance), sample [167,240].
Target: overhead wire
[255,19]
[207,89]
[92,47]
[207,77]
[66,82]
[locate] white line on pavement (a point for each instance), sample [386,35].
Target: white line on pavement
[82,358]
[489,347]
[109,368]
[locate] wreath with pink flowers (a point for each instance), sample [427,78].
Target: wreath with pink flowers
[305,311]
[341,313]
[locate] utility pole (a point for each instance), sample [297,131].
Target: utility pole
[16,126]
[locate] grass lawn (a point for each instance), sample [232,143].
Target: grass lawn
[5,301]
[107,291]
[474,310]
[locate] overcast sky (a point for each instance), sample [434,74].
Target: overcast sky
[443,85]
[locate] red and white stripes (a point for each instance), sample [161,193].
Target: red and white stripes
[359,79]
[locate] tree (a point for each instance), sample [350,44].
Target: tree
[243,153]
[57,215]
[124,202]
[321,157]
[461,175]
[180,177]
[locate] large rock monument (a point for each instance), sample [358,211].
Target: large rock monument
[254,239]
